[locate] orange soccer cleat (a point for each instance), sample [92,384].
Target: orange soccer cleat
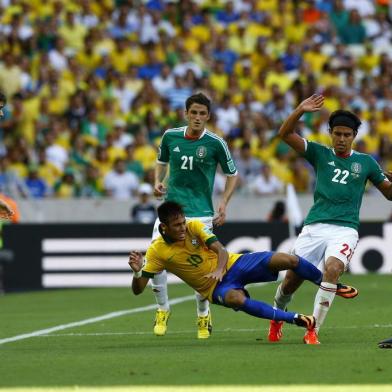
[311,337]
[345,291]
[275,331]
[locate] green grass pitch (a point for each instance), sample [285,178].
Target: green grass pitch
[122,351]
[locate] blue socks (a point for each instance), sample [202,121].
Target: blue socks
[308,271]
[263,310]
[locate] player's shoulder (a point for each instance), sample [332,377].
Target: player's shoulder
[361,156]
[213,137]
[173,132]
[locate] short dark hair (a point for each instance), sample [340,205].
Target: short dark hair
[345,118]
[169,209]
[199,98]
[3,98]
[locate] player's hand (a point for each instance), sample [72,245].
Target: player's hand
[312,104]
[388,175]
[216,275]
[6,211]
[135,261]
[220,218]
[159,190]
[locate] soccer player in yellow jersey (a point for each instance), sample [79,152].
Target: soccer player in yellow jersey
[193,253]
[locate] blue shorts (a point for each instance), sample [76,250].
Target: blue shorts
[249,268]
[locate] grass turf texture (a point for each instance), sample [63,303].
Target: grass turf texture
[123,351]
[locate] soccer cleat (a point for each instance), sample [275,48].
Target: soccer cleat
[345,291]
[311,337]
[275,331]
[308,322]
[385,343]
[161,319]
[204,326]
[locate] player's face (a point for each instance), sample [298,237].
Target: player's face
[197,115]
[342,139]
[176,228]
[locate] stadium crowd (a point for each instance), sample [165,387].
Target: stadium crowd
[92,85]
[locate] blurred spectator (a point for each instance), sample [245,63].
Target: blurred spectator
[36,186]
[248,167]
[119,183]
[144,211]
[278,212]
[266,183]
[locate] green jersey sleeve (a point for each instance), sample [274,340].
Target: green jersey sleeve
[163,153]
[312,152]
[225,160]
[376,174]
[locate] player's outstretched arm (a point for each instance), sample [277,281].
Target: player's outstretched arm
[6,211]
[231,183]
[139,282]
[287,130]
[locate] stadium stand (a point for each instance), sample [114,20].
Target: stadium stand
[93,82]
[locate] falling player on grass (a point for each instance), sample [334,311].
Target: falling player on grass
[330,232]
[192,252]
[192,154]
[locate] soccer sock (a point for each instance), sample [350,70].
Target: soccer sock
[203,306]
[282,300]
[263,310]
[323,301]
[159,288]
[308,271]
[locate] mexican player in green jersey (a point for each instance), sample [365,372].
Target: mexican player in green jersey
[187,163]
[330,233]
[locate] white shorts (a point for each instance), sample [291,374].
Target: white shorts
[319,241]
[207,220]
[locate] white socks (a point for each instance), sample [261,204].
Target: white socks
[159,289]
[203,306]
[323,301]
[281,300]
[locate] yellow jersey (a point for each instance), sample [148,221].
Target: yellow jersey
[190,259]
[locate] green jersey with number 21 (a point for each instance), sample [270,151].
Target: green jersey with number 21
[340,184]
[193,164]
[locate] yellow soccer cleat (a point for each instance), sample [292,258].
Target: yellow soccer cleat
[161,319]
[204,326]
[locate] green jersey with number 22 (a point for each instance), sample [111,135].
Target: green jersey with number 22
[340,184]
[193,164]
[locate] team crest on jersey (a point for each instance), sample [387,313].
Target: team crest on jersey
[356,167]
[201,152]
[195,242]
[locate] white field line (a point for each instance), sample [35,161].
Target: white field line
[192,331]
[91,320]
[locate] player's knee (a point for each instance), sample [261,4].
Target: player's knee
[235,298]
[288,261]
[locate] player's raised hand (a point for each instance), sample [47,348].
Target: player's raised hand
[135,261]
[312,104]
[159,190]
[6,211]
